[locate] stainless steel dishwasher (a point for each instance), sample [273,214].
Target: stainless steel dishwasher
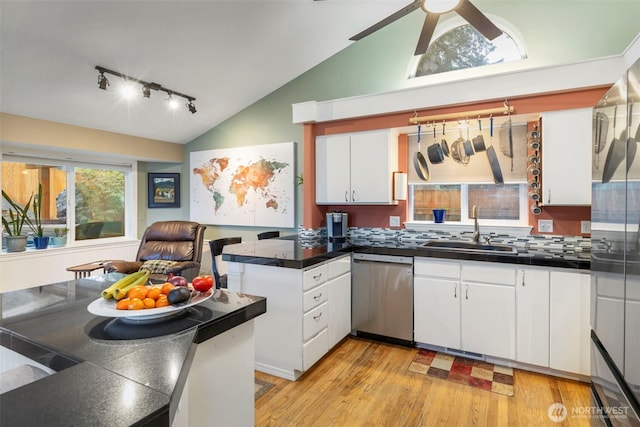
[382,297]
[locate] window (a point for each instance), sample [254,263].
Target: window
[464,47]
[99,208]
[505,204]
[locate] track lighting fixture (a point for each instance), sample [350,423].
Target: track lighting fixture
[103,82]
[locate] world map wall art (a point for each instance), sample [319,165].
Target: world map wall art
[252,186]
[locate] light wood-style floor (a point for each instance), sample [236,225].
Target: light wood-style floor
[366,383]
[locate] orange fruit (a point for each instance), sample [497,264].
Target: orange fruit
[149,303]
[162,301]
[139,292]
[135,304]
[166,288]
[123,304]
[154,293]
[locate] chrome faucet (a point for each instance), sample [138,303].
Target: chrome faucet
[476,227]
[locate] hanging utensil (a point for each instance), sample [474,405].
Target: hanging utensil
[510,136]
[600,129]
[468,146]
[493,157]
[419,162]
[616,153]
[443,141]
[434,151]
[478,141]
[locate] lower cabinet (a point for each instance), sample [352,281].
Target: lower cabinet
[569,327]
[534,315]
[308,312]
[465,305]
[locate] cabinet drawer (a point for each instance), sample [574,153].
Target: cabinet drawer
[313,277]
[437,268]
[314,297]
[315,321]
[315,349]
[487,273]
[339,266]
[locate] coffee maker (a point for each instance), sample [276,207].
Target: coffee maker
[337,226]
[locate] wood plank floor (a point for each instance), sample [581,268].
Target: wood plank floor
[366,383]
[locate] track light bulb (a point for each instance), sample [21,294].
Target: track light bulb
[191,107]
[173,104]
[103,82]
[146,91]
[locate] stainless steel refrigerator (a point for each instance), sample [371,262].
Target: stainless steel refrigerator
[615,256]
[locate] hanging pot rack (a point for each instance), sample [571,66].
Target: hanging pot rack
[506,109]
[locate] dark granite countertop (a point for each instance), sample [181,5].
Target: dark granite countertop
[109,371]
[294,252]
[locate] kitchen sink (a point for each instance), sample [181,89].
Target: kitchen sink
[455,245]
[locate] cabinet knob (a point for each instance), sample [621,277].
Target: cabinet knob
[353,196]
[549,196]
[317,297]
[346,195]
[317,277]
[455,290]
[466,292]
[318,316]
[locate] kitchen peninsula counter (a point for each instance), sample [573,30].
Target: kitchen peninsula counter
[122,371]
[299,253]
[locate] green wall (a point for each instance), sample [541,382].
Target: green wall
[379,63]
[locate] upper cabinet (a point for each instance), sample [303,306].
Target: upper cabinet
[356,168]
[566,157]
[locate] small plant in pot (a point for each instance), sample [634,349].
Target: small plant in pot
[60,238]
[14,222]
[40,240]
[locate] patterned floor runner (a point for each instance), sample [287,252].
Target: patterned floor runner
[461,370]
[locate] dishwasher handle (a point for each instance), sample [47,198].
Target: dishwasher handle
[393,259]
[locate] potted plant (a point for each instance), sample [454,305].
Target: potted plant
[13,223]
[40,240]
[60,238]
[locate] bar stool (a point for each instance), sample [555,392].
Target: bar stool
[268,235]
[217,266]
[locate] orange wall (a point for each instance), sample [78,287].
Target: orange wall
[566,219]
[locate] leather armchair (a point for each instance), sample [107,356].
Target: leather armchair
[179,241]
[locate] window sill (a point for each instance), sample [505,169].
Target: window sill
[457,227]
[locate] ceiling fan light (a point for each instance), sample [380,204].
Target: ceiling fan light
[439,6]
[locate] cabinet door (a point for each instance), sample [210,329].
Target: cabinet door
[488,319]
[333,169]
[569,322]
[532,308]
[436,311]
[566,157]
[374,157]
[339,308]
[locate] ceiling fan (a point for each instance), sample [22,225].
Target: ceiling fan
[435,8]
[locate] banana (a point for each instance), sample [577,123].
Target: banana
[141,280]
[121,283]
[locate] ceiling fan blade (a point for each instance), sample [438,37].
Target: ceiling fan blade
[428,27]
[388,20]
[476,18]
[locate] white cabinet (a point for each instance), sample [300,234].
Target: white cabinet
[569,336]
[308,312]
[488,314]
[465,305]
[566,157]
[532,316]
[356,168]
[436,300]
[339,288]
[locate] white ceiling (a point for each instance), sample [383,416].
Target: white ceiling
[228,54]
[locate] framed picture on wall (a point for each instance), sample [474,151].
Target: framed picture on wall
[164,190]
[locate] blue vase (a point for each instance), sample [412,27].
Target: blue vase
[439,215]
[41,242]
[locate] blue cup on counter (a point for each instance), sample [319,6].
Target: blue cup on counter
[439,215]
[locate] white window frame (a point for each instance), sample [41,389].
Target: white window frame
[130,182]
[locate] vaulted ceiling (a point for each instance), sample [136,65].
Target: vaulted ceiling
[226,53]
